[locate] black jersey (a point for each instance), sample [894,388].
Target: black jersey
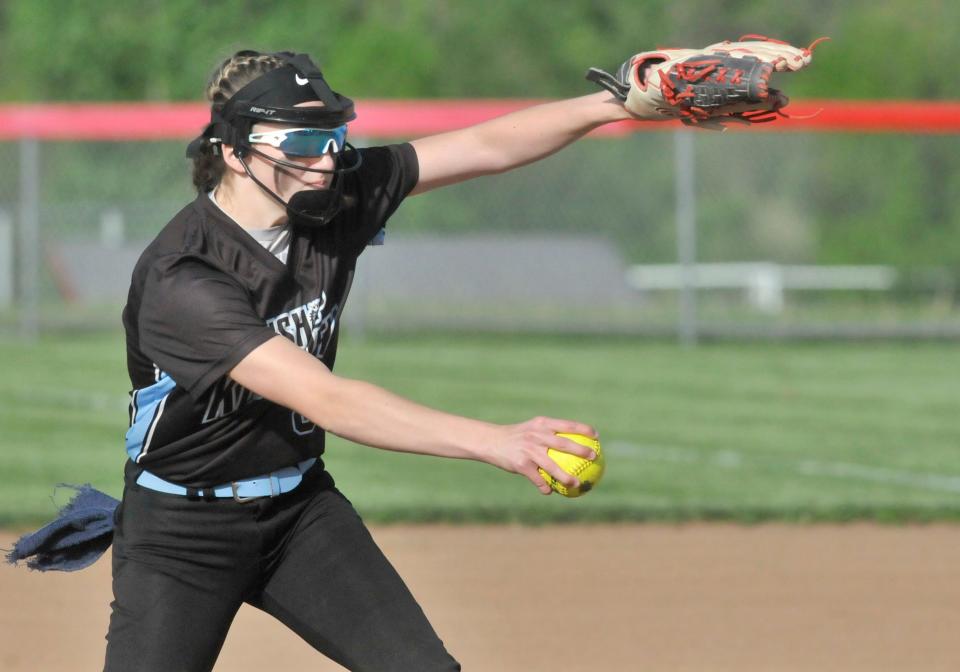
[204,294]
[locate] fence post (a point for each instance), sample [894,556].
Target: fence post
[29,237]
[686,222]
[6,260]
[112,228]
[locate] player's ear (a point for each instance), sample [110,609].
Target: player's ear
[230,159]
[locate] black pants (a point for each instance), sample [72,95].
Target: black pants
[183,567]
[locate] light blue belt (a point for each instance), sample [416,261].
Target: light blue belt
[268,485]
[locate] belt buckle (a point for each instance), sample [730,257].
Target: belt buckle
[236,495]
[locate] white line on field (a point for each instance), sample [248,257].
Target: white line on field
[881,475]
[70,398]
[730,459]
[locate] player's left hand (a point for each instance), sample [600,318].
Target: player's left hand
[724,82]
[522,449]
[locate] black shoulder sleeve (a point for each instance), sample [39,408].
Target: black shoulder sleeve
[196,323]
[387,175]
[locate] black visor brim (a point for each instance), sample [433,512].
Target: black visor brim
[317,117]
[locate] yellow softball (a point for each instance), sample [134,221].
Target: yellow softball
[588,471]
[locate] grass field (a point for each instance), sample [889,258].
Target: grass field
[744,432]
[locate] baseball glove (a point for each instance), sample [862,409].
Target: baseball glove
[725,82]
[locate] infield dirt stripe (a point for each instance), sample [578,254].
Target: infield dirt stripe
[690,598]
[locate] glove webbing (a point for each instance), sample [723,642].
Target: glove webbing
[715,81]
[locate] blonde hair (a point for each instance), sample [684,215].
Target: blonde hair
[231,76]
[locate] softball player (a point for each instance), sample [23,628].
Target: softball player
[232,325]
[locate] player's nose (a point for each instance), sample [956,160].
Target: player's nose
[325,162]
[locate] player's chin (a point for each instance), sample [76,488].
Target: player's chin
[310,186]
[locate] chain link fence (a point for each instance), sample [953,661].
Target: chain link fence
[697,234]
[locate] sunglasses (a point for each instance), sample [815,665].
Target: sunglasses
[303,141]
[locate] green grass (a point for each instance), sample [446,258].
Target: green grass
[735,431]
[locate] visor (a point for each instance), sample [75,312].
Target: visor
[303,141]
[274,97]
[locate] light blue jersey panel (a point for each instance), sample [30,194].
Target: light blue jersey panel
[378,238]
[146,407]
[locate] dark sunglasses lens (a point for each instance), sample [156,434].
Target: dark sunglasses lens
[313,142]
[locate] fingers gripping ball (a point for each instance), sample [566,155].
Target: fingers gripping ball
[589,472]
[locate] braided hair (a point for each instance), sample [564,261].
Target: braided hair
[231,76]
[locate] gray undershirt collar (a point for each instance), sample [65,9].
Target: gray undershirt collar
[275,239]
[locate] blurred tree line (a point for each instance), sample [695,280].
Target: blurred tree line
[165,49]
[883,201]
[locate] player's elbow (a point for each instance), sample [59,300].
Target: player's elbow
[283,373]
[493,158]
[328,401]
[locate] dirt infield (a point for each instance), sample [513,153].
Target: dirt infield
[638,597]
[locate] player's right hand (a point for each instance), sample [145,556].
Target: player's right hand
[522,449]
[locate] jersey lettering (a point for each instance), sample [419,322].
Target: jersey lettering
[226,397]
[310,328]
[301,424]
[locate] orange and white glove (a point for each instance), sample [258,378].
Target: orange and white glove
[726,81]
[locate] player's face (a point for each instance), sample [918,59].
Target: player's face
[284,180]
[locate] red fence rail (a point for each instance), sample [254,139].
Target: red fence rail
[410,118]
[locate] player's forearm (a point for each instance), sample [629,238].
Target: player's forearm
[280,371]
[533,133]
[283,373]
[512,140]
[368,414]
